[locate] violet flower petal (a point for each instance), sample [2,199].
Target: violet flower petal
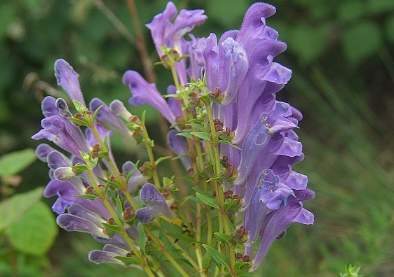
[179,146]
[75,223]
[145,93]
[68,79]
[42,151]
[152,198]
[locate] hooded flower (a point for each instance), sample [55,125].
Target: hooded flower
[155,203]
[68,79]
[145,93]
[241,72]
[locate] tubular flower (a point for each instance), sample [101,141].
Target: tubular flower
[240,71]
[236,141]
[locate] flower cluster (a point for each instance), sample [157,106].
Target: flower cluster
[235,140]
[240,71]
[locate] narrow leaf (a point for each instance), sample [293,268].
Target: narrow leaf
[202,135]
[218,258]
[208,200]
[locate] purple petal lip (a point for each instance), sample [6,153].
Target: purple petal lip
[68,79]
[73,223]
[145,93]
[42,151]
[146,215]
[152,198]
[99,257]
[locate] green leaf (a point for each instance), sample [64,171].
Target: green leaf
[351,10]
[198,127]
[96,112]
[162,159]
[218,258]
[119,208]
[380,6]
[14,208]
[223,237]
[79,107]
[78,121]
[186,135]
[206,260]
[35,233]
[308,42]
[15,162]
[210,201]
[182,237]
[86,196]
[229,143]
[214,179]
[142,238]
[230,204]
[202,135]
[360,41]
[228,15]
[114,228]
[128,260]
[390,29]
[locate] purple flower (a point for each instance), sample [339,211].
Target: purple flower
[179,146]
[278,221]
[145,93]
[58,129]
[155,204]
[135,179]
[68,79]
[106,116]
[73,223]
[167,31]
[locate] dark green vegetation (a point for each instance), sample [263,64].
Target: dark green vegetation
[341,54]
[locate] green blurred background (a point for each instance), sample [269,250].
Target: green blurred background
[342,57]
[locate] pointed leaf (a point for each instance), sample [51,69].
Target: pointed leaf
[35,232]
[15,162]
[218,258]
[14,208]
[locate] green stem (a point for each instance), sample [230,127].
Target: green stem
[148,147]
[220,194]
[123,233]
[162,248]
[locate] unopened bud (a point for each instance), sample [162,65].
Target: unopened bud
[118,108]
[64,173]
[89,190]
[111,221]
[63,108]
[128,213]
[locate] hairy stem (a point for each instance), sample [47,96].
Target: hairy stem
[219,192]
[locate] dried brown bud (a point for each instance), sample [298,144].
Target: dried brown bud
[78,116]
[240,232]
[128,213]
[134,119]
[228,194]
[111,221]
[174,206]
[218,128]
[165,193]
[89,190]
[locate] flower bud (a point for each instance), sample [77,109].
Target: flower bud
[118,108]
[64,173]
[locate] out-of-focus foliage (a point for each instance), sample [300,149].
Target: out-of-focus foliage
[341,54]
[27,225]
